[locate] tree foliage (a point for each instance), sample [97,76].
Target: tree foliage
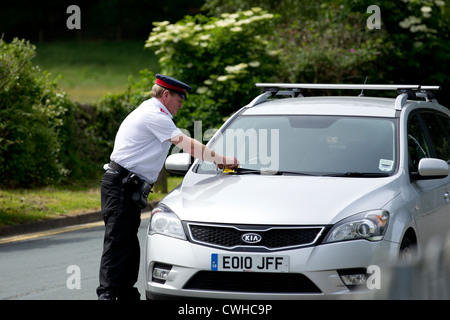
[44,137]
[220,57]
[329,48]
[328,41]
[32,115]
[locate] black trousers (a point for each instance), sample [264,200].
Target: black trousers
[119,267]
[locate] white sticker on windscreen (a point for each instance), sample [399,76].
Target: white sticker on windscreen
[386,165]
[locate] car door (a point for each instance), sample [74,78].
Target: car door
[428,136]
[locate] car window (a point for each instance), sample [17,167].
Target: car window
[320,145]
[417,145]
[438,126]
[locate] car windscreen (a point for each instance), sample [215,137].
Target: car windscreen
[310,145]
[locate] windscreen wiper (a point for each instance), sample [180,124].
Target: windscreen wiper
[356,174]
[269,172]
[297,173]
[351,174]
[250,171]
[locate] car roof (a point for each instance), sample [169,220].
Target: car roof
[329,105]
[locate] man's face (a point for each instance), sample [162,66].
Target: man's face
[172,101]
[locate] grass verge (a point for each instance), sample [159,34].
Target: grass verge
[28,205]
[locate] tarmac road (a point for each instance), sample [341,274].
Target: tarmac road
[59,264]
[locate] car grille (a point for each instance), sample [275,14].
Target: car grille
[252,282]
[272,238]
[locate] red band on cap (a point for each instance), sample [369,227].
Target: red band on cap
[169,86]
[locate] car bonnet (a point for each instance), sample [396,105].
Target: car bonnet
[277,200]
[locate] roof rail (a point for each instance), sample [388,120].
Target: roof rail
[405,91]
[346,86]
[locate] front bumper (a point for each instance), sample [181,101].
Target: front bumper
[313,271]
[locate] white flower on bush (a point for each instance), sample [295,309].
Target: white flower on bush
[202,90]
[225,22]
[237,68]
[236,29]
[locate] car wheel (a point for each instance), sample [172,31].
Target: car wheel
[408,250]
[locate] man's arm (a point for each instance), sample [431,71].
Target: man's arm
[202,152]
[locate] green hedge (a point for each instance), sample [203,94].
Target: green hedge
[45,138]
[32,118]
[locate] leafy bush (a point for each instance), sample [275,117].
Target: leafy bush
[32,113]
[334,47]
[221,58]
[420,30]
[318,41]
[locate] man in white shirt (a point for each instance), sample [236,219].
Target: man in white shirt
[140,148]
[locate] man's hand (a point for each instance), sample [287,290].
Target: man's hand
[202,152]
[228,162]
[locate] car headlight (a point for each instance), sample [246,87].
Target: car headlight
[369,225]
[164,221]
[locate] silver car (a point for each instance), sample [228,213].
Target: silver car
[330,191]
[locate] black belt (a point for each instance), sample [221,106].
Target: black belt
[117,167]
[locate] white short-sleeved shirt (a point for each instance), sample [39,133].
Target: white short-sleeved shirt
[141,144]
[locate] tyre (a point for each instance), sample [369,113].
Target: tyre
[408,250]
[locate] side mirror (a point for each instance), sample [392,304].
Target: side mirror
[178,163]
[430,168]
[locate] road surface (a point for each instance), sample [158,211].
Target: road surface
[59,265]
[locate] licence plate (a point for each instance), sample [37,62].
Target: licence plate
[255,263]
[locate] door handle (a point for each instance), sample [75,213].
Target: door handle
[447,196]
